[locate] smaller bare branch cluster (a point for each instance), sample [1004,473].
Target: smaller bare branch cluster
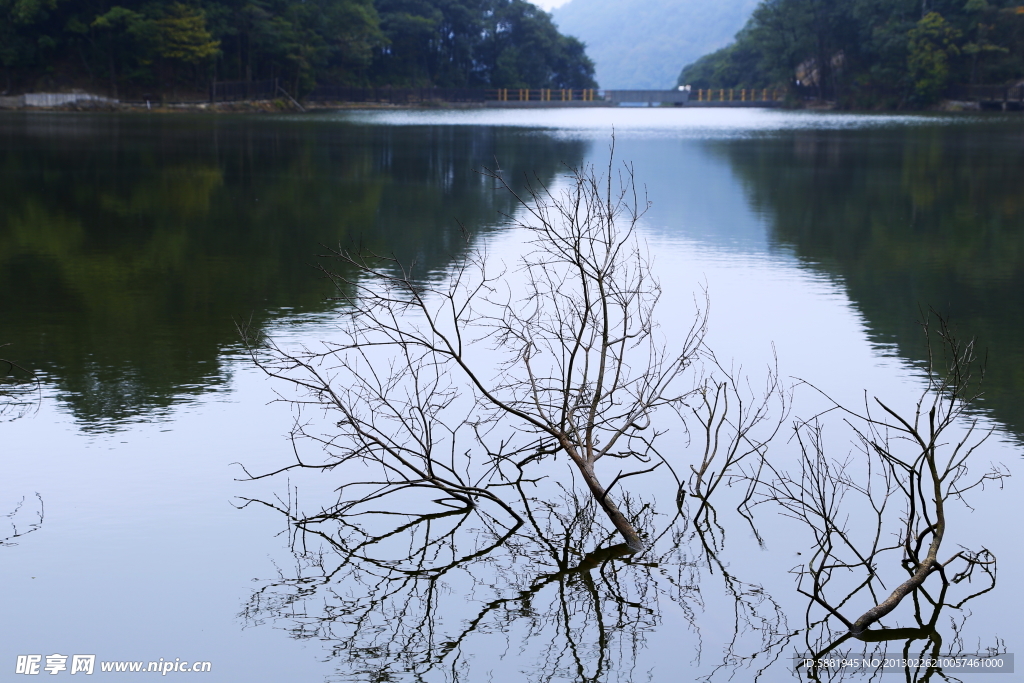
[886,507]
[733,423]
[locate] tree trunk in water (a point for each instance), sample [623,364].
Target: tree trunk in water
[629,533]
[924,569]
[890,603]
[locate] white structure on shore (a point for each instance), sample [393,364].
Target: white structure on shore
[49,99]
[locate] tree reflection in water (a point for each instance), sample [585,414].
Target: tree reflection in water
[436,596]
[20,391]
[22,521]
[20,395]
[917,647]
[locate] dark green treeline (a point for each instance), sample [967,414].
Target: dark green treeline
[151,47]
[907,220]
[130,245]
[870,53]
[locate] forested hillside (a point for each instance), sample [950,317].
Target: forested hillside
[644,43]
[137,46]
[870,53]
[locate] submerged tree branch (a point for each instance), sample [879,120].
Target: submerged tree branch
[907,474]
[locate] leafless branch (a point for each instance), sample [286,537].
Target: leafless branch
[897,487]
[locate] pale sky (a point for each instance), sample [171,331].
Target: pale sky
[548,5]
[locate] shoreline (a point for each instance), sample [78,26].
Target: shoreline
[281,106]
[240,107]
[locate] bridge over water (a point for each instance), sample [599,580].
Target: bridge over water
[725,97]
[552,97]
[507,97]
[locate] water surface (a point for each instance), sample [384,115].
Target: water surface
[130,247]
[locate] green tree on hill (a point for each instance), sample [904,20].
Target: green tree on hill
[932,43]
[183,35]
[183,40]
[124,33]
[870,53]
[529,52]
[140,45]
[984,18]
[467,43]
[20,22]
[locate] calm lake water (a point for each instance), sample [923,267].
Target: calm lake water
[130,247]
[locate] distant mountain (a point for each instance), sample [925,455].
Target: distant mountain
[646,43]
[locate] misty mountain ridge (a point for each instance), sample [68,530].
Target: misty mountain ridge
[644,44]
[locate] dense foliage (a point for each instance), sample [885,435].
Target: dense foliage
[643,43]
[140,46]
[870,52]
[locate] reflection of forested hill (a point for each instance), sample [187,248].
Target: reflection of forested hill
[128,246]
[909,218]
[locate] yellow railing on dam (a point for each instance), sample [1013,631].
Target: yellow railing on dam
[737,94]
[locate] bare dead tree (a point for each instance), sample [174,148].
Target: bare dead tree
[908,471]
[464,384]
[475,384]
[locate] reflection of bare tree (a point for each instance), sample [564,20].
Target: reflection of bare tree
[887,509]
[19,391]
[18,525]
[759,629]
[435,595]
[731,423]
[20,394]
[383,590]
[919,648]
